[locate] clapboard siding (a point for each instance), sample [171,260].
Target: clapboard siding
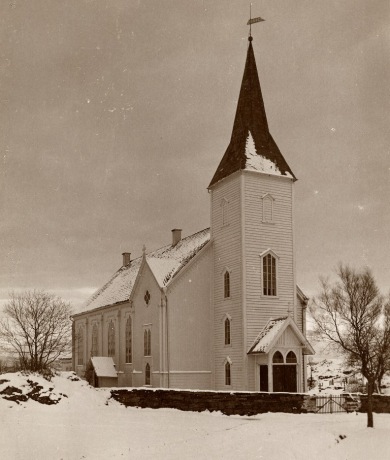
[227,254]
[190,320]
[193,380]
[146,316]
[261,236]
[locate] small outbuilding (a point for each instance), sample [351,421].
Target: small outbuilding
[104,372]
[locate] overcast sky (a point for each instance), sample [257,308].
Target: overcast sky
[116,113]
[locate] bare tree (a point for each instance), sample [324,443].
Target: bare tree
[353,314]
[36,326]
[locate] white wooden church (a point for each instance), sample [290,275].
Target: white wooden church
[219,309]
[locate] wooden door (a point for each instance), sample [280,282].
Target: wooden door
[290,378]
[263,377]
[284,378]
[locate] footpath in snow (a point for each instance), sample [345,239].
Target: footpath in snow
[84,423]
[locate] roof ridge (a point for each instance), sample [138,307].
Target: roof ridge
[183,239]
[120,284]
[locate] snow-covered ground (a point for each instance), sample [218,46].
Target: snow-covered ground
[88,425]
[329,370]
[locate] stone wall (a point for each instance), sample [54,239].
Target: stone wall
[380,404]
[240,403]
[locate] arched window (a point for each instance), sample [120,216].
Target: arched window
[228,375]
[111,339]
[147,342]
[147,374]
[80,346]
[226,284]
[269,275]
[278,358]
[94,348]
[291,358]
[268,208]
[227,331]
[128,338]
[225,211]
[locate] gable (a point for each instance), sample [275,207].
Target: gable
[280,332]
[288,339]
[165,263]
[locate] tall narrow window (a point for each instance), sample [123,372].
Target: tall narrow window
[80,346]
[226,284]
[227,331]
[269,275]
[111,339]
[94,348]
[147,342]
[268,208]
[228,377]
[225,211]
[147,374]
[128,336]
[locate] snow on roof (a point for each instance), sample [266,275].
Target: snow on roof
[104,366]
[165,264]
[267,335]
[257,162]
[117,289]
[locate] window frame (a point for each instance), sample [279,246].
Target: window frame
[111,339]
[147,374]
[227,331]
[269,279]
[226,284]
[288,360]
[94,340]
[276,359]
[147,342]
[224,212]
[129,340]
[228,372]
[268,198]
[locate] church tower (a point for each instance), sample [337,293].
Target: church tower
[256,311]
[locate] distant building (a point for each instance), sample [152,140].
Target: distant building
[219,309]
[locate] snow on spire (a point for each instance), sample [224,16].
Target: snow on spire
[259,152]
[256,162]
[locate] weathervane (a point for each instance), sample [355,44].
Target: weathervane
[252,21]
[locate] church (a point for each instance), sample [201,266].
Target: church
[219,309]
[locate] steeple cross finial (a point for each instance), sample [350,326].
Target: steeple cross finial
[252,21]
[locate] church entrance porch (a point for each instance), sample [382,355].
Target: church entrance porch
[280,374]
[277,355]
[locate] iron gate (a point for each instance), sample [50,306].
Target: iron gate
[330,404]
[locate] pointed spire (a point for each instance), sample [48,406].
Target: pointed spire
[251,121]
